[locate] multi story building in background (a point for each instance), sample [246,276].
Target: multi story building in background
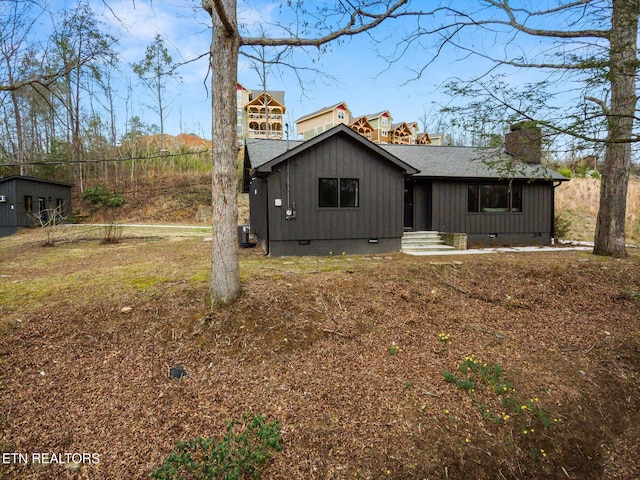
[435,139]
[260,114]
[322,120]
[377,127]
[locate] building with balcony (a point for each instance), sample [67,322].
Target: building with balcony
[402,134]
[362,126]
[381,124]
[377,127]
[260,114]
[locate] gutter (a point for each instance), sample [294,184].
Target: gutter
[266,192]
[553,210]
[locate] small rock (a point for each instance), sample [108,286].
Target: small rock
[126,309]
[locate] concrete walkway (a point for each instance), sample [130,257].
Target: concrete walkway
[481,251]
[200,229]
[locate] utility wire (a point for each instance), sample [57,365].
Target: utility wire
[89,161]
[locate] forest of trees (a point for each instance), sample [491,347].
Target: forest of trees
[61,95]
[58,94]
[590,42]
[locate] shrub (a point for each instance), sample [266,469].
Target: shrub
[100,197]
[562,226]
[564,171]
[243,449]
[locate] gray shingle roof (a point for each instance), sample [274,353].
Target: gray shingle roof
[277,95]
[467,162]
[430,161]
[262,151]
[292,149]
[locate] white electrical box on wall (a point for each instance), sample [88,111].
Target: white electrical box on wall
[278,202]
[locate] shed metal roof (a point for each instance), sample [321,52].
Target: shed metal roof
[35,179]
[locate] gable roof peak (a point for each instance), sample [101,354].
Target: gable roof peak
[383,113]
[339,130]
[339,105]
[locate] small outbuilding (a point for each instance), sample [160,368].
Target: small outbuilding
[339,192]
[22,197]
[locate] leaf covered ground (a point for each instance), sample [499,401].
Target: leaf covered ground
[346,352]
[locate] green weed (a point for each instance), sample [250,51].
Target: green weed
[244,448]
[496,401]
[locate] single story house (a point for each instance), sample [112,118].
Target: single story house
[339,192]
[21,197]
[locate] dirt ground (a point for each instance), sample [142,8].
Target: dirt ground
[346,352]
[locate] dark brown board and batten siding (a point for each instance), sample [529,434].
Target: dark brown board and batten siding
[450,214]
[379,212]
[15,188]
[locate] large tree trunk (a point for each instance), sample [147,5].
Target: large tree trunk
[225,270]
[610,237]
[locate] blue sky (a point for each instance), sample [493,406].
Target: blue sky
[353,71]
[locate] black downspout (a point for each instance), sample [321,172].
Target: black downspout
[553,211]
[266,194]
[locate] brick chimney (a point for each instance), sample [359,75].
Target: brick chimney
[524,142]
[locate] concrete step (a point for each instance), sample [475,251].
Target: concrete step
[421,240]
[426,248]
[421,233]
[416,242]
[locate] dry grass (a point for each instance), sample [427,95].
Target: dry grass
[171,198]
[578,200]
[309,344]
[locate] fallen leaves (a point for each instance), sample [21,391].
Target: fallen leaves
[313,352]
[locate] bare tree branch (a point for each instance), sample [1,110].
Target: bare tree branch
[349,29]
[513,22]
[603,105]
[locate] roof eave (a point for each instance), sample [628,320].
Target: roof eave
[340,128]
[36,179]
